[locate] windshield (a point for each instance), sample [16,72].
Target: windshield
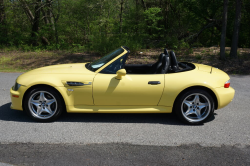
[100,62]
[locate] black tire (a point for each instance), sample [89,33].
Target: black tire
[47,110]
[187,109]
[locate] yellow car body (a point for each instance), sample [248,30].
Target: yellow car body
[104,93]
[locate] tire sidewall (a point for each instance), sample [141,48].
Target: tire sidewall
[60,105]
[179,100]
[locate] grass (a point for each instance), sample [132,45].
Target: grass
[21,61]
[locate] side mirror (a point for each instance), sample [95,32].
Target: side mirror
[120,73]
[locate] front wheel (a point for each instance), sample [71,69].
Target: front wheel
[43,104]
[194,106]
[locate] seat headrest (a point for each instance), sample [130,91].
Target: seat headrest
[161,57]
[165,51]
[165,64]
[174,62]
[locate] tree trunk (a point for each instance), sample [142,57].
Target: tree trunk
[223,31]
[121,16]
[27,10]
[234,46]
[137,15]
[2,12]
[35,25]
[45,17]
[49,13]
[166,15]
[144,5]
[3,29]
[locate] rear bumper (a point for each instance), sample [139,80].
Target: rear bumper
[16,98]
[224,96]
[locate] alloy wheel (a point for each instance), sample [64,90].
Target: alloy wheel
[42,105]
[195,107]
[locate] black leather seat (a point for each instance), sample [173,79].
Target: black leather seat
[156,67]
[166,51]
[165,62]
[174,62]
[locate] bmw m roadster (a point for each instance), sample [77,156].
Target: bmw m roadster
[109,85]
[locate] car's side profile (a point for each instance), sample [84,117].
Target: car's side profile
[108,85]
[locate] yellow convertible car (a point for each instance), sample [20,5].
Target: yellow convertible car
[109,85]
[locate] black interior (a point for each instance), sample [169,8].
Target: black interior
[166,63]
[156,67]
[174,62]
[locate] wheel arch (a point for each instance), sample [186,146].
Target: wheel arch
[42,85]
[203,88]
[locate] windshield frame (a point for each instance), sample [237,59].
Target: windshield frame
[97,70]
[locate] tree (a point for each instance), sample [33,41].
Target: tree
[98,24]
[121,12]
[234,45]
[3,29]
[35,23]
[34,20]
[223,30]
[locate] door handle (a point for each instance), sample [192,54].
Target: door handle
[154,82]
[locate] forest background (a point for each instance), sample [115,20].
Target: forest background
[102,25]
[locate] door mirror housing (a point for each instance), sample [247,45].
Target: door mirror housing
[120,73]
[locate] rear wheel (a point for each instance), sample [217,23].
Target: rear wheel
[43,104]
[194,106]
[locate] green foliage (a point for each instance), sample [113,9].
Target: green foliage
[152,18]
[104,44]
[183,44]
[198,57]
[91,25]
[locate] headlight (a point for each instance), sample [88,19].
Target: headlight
[16,86]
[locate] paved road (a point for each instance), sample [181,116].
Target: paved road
[229,127]
[122,154]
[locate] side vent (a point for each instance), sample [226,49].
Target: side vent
[75,83]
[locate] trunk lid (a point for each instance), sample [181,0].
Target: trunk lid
[204,68]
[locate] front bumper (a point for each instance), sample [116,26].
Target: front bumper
[224,96]
[16,102]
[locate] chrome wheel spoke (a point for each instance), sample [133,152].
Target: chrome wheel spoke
[188,103]
[49,102]
[42,97]
[189,112]
[39,111]
[203,105]
[46,110]
[196,99]
[35,102]
[198,113]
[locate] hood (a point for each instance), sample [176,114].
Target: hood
[54,74]
[62,69]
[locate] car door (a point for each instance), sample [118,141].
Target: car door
[131,90]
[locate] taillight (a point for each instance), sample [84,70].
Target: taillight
[227,84]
